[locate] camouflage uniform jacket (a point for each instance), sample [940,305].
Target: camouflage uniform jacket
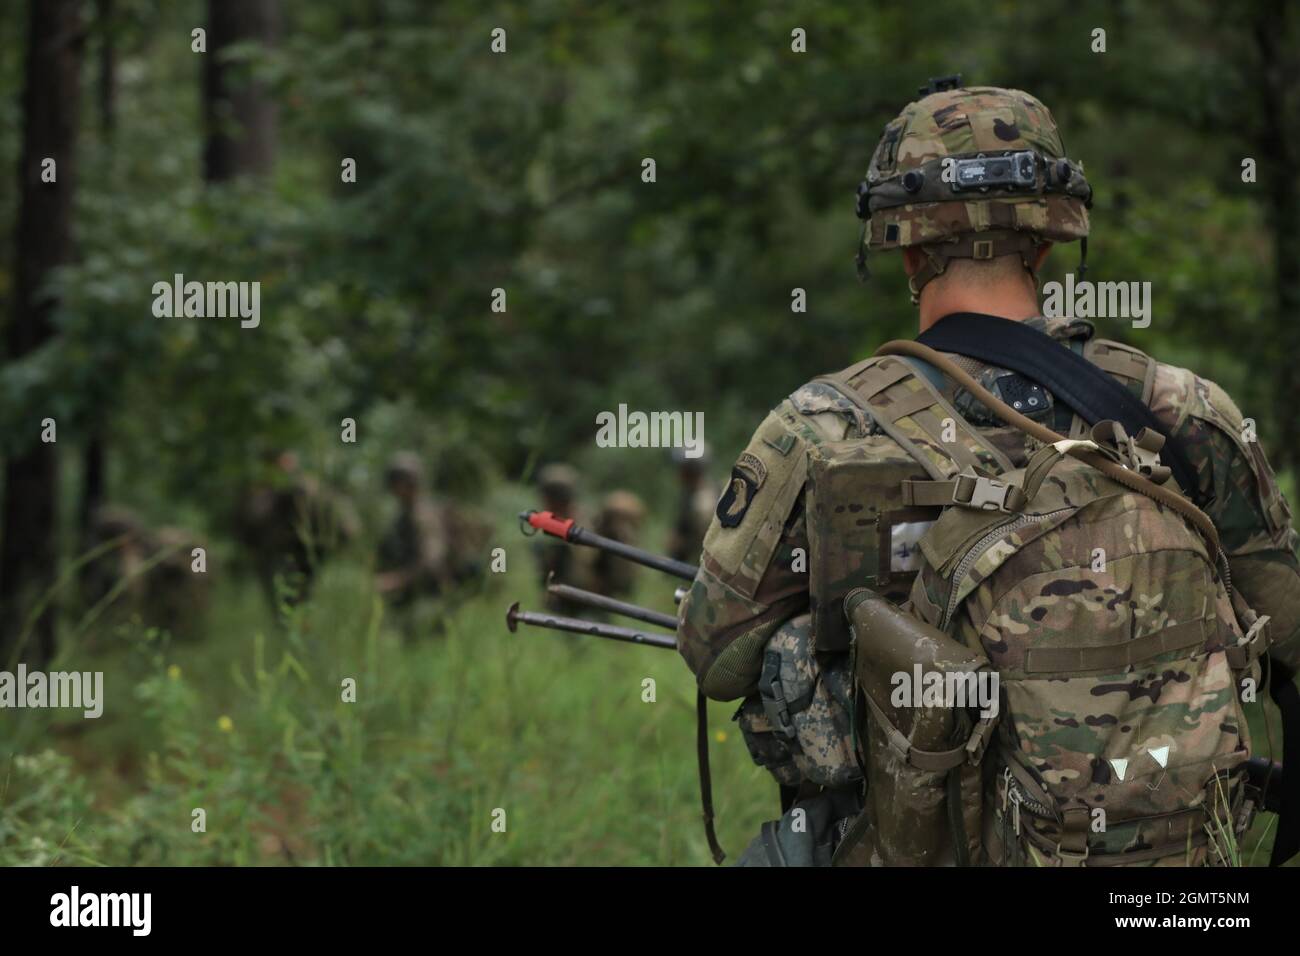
[750,581]
[417,542]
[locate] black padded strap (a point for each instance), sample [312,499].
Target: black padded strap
[1088,391]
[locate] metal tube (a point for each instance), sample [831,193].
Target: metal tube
[606,603]
[678,569]
[568,531]
[613,632]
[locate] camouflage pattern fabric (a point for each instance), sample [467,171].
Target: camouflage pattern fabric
[751,580]
[469,535]
[807,707]
[145,574]
[176,596]
[755,573]
[966,123]
[417,546]
[1119,694]
[768,749]
[291,524]
[119,541]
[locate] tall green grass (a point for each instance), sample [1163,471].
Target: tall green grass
[451,723]
[447,728]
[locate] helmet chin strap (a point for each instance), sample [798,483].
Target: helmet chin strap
[979,246]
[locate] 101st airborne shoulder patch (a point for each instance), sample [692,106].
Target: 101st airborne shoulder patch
[747,477]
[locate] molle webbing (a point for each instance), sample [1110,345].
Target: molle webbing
[1065,840]
[1117,657]
[1123,362]
[907,407]
[1072,379]
[1192,823]
[1171,499]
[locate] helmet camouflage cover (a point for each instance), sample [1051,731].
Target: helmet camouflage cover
[910,197]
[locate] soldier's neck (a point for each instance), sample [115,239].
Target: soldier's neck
[1011,300]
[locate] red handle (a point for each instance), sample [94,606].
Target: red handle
[546,521]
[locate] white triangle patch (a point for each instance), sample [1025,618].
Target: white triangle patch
[1160,754]
[1121,766]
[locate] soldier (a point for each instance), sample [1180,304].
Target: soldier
[968,246]
[469,532]
[558,485]
[119,541]
[291,523]
[414,554]
[621,516]
[145,574]
[176,595]
[695,500]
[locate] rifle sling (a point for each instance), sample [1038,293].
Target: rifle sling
[706,778]
[1088,391]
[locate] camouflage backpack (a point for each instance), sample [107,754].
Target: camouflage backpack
[1076,601]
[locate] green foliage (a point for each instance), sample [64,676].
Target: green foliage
[444,730]
[522,172]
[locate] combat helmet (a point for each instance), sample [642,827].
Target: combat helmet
[623,505]
[404,465]
[558,480]
[971,172]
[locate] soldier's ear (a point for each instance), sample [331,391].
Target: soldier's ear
[912,259]
[1041,255]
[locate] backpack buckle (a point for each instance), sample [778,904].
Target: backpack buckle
[1140,453]
[979,739]
[770,692]
[1070,857]
[1254,643]
[986,494]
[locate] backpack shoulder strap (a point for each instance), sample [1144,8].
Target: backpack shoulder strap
[911,410]
[1135,368]
[1091,393]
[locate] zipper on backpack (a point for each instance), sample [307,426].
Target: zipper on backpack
[983,544]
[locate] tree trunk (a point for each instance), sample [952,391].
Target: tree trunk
[29,554]
[93,488]
[239,115]
[1277,170]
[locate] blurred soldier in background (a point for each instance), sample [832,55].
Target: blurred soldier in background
[469,532]
[415,552]
[118,537]
[558,486]
[621,516]
[144,575]
[696,500]
[176,596]
[290,523]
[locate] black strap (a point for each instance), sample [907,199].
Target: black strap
[788,797]
[1283,690]
[706,779]
[1088,391]
[957,819]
